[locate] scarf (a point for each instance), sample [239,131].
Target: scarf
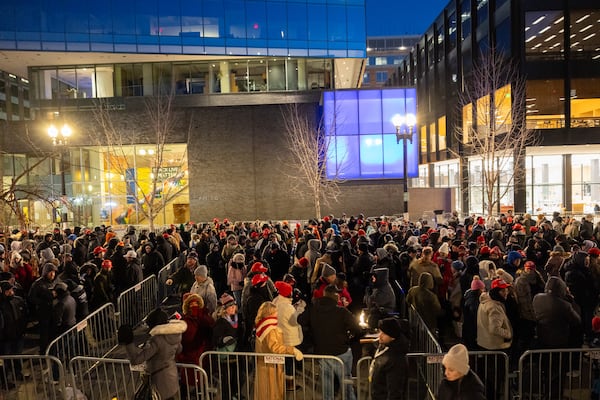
[232,319]
[264,326]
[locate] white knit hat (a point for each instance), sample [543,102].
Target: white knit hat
[457,359]
[444,248]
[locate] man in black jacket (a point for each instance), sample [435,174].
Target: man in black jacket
[13,321]
[332,328]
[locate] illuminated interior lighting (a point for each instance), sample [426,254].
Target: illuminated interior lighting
[596,57]
[530,39]
[561,31]
[572,36]
[589,36]
[582,18]
[545,29]
[540,19]
[558,21]
[586,28]
[555,45]
[531,99]
[574,44]
[528,28]
[549,38]
[536,46]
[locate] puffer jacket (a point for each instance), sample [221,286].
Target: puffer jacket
[159,355]
[527,285]
[380,298]
[494,331]
[425,301]
[287,320]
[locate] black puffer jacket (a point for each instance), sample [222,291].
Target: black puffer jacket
[469,387]
[380,298]
[389,368]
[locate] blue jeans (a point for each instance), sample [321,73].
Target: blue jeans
[331,369]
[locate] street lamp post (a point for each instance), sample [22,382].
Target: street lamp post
[60,140]
[405,125]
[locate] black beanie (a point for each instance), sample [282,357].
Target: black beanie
[157,317]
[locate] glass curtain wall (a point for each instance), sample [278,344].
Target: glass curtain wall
[149,79]
[503,191]
[545,185]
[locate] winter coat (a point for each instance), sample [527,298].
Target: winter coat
[135,274]
[158,353]
[329,326]
[235,277]
[184,277]
[555,315]
[13,318]
[380,298]
[280,264]
[64,313]
[389,370]
[314,252]
[196,339]
[527,285]
[420,265]
[257,296]
[324,259]
[103,290]
[469,387]
[425,301]
[269,381]
[287,320]
[207,291]
[470,307]
[152,262]
[494,331]
[40,297]
[579,280]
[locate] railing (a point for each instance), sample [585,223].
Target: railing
[138,301]
[32,377]
[103,378]
[422,339]
[163,289]
[94,336]
[560,374]
[235,374]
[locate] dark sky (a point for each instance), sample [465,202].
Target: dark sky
[399,17]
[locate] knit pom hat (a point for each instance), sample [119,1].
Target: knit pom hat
[202,271]
[444,249]
[226,300]
[457,359]
[477,283]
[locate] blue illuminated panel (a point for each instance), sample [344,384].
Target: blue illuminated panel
[363,137]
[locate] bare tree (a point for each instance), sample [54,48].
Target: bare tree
[308,147]
[498,134]
[155,127]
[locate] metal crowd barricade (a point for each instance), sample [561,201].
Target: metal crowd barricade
[492,367]
[560,374]
[43,377]
[165,290]
[422,339]
[105,378]
[138,301]
[233,374]
[95,336]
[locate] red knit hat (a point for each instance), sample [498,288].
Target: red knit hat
[284,289]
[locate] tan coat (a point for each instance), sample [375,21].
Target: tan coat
[269,382]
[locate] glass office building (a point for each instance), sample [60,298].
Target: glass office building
[556,46]
[74,53]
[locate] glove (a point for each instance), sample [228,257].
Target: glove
[125,334]
[298,354]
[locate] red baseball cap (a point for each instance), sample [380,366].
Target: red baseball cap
[499,283]
[258,267]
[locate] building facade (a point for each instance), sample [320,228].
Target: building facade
[556,47]
[384,56]
[228,68]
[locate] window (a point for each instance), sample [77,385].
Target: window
[381,61]
[366,78]
[545,104]
[545,183]
[442,145]
[467,125]
[452,31]
[465,18]
[585,103]
[544,35]
[585,35]
[381,76]
[503,109]
[432,138]
[585,178]
[423,139]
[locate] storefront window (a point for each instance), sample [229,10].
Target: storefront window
[585,178]
[585,103]
[545,103]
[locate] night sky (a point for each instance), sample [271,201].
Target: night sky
[400,17]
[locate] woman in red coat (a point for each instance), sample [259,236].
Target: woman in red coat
[197,338]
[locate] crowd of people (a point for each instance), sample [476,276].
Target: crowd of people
[508,283]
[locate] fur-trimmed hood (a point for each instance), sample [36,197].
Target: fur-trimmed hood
[174,327]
